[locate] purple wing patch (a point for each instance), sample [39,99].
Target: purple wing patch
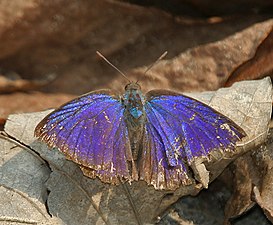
[178,130]
[154,166]
[91,131]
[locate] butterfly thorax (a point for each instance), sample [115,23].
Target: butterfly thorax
[134,115]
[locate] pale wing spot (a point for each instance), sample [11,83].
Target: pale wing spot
[112,168]
[177,148]
[225,126]
[193,117]
[106,117]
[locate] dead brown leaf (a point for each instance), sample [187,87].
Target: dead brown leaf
[263,193]
[259,66]
[61,37]
[13,82]
[245,176]
[20,102]
[205,67]
[2,123]
[253,177]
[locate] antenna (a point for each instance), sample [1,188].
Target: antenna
[106,60]
[152,65]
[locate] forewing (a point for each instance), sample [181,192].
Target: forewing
[91,131]
[182,129]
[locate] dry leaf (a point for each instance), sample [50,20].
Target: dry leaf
[253,177]
[13,82]
[2,123]
[259,66]
[263,193]
[61,37]
[22,186]
[245,177]
[206,67]
[19,102]
[76,199]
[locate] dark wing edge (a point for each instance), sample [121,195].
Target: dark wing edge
[90,130]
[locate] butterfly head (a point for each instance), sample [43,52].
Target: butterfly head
[132,86]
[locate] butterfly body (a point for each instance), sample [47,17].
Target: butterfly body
[152,137]
[135,117]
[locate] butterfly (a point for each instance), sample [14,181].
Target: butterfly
[152,137]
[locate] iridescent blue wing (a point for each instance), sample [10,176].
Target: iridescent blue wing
[179,129]
[91,131]
[153,165]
